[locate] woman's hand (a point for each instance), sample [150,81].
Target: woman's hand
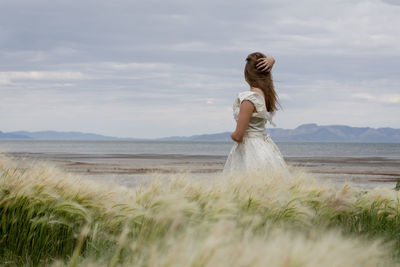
[236,138]
[266,63]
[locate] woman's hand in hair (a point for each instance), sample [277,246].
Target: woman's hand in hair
[266,63]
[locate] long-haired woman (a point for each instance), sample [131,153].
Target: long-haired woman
[252,109]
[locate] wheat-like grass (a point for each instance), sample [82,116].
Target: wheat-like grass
[47,216]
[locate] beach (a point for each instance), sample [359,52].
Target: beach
[133,169]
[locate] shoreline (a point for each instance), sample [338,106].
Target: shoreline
[132,169]
[57,155]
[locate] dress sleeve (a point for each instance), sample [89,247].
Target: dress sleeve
[254,98]
[259,104]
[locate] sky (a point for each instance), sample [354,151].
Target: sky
[151,69]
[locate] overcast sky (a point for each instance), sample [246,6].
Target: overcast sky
[162,68]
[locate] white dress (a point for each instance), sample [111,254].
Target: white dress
[257,151]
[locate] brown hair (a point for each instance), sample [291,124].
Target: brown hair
[260,79]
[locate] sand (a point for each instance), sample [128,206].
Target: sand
[132,169]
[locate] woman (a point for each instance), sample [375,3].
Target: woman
[254,149]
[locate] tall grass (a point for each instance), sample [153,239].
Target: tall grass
[50,217]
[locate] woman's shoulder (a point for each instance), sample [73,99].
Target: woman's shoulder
[255,98]
[258,102]
[246,93]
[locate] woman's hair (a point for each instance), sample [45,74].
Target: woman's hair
[261,79]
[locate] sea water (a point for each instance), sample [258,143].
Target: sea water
[214,148]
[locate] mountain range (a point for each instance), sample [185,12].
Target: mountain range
[304,133]
[54,135]
[314,133]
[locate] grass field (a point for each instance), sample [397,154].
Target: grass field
[48,217]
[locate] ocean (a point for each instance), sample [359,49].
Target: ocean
[288,149]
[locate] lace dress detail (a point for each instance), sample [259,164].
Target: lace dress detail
[257,150]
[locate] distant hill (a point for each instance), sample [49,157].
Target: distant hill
[54,135]
[13,136]
[303,133]
[336,133]
[225,136]
[314,133]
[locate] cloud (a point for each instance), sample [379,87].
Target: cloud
[41,75]
[364,96]
[210,101]
[392,2]
[386,98]
[394,99]
[151,68]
